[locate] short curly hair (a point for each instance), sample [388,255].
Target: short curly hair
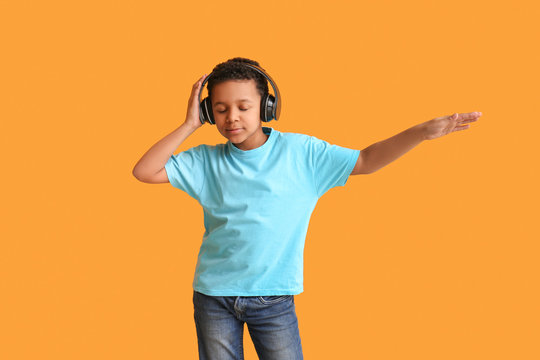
[233,69]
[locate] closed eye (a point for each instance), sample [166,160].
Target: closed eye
[240,109]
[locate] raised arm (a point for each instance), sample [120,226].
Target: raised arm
[382,153]
[151,167]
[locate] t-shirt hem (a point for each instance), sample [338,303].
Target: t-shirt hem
[352,163]
[168,171]
[258,292]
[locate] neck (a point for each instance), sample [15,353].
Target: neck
[254,143]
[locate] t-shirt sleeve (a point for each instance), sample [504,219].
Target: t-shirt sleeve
[185,170]
[331,164]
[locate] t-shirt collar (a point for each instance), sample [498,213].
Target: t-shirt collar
[268,143]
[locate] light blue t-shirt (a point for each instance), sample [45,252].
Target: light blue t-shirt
[257,205]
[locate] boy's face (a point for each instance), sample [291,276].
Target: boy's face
[236,107]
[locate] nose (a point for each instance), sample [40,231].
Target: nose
[232,115]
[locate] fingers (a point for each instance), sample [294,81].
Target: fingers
[196,88]
[462,127]
[463,118]
[199,82]
[471,115]
[468,120]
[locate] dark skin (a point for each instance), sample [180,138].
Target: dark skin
[381,153]
[235,114]
[444,125]
[371,159]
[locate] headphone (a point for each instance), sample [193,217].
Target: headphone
[270,108]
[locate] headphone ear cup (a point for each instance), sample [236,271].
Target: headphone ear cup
[270,102]
[205,111]
[263,114]
[267,107]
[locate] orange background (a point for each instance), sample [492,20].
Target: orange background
[435,256]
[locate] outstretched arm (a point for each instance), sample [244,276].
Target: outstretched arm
[382,153]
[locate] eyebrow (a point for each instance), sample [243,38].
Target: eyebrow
[219,102]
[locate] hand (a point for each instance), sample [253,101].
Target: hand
[192,117]
[446,124]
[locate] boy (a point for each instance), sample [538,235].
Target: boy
[258,191]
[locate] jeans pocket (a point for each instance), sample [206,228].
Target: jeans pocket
[273,299]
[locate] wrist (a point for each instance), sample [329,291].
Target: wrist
[421,130]
[190,126]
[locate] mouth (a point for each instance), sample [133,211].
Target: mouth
[233,131]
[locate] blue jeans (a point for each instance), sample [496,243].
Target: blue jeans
[271,321]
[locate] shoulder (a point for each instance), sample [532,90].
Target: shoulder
[206,150]
[295,138]
[305,142]
[200,154]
